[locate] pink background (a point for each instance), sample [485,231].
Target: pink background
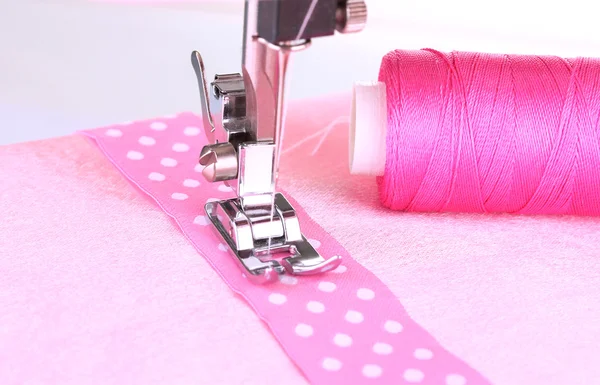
[99,287]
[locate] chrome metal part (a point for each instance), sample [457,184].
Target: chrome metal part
[207,118]
[351,16]
[220,162]
[259,225]
[256,181]
[247,237]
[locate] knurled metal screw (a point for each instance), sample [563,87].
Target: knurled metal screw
[351,16]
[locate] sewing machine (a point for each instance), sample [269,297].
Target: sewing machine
[245,141]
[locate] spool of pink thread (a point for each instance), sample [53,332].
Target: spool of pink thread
[474,132]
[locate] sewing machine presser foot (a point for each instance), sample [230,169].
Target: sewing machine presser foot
[259,226]
[257,239]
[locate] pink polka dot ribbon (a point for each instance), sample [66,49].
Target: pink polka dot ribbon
[343,327]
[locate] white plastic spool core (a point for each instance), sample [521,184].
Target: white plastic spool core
[368,129]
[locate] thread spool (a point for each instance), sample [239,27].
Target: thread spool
[469,132]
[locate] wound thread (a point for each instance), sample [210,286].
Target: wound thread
[476,132]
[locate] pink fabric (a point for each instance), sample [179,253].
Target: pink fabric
[342,327]
[97,288]
[477,132]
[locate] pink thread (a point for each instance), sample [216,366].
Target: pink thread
[475,132]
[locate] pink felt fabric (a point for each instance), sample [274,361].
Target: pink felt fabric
[84,304]
[340,327]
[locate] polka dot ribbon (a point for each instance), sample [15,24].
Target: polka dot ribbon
[344,327]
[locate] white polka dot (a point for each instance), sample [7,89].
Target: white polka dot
[135,155]
[180,147]
[198,168]
[393,327]
[372,371]
[413,375]
[327,287]
[342,340]
[168,162]
[156,176]
[146,141]
[316,244]
[191,183]
[455,379]
[224,188]
[304,330]
[331,364]
[179,196]
[354,317]
[191,131]
[114,133]
[158,126]
[202,220]
[315,307]
[288,279]
[365,294]
[222,247]
[383,348]
[340,269]
[277,299]
[423,354]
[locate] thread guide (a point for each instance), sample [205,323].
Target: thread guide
[259,225]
